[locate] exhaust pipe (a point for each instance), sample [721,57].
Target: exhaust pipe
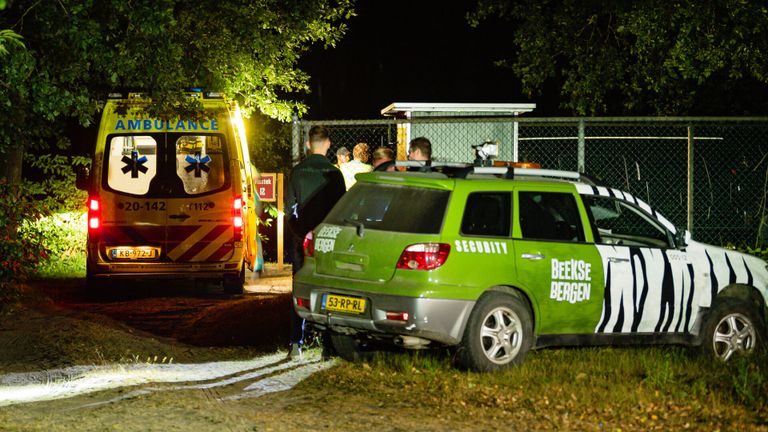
[411,342]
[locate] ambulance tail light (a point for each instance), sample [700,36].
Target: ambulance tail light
[309,244]
[424,256]
[94,214]
[237,217]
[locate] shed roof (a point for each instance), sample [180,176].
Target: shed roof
[400,108]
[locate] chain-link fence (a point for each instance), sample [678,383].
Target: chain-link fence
[648,157]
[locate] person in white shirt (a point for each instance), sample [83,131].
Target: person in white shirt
[359,164]
[342,156]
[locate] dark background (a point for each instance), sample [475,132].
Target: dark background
[413,51]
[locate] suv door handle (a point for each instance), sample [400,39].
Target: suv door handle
[180,216]
[534,257]
[617,259]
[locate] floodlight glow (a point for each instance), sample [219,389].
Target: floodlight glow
[66,383]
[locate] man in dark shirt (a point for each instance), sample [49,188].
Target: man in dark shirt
[314,187]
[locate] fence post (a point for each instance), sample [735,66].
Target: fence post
[580,152]
[514,141]
[690,179]
[295,139]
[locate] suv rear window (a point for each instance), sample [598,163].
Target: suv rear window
[392,208]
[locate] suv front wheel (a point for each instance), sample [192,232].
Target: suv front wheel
[499,333]
[733,328]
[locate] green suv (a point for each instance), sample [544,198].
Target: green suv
[502,261]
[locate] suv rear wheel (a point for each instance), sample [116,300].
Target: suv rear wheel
[353,348]
[733,328]
[499,333]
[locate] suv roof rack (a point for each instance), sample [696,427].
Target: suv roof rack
[462,170]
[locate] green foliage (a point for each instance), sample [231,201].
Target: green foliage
[267,216]
[760,252]
[665,58]
[270,144]
[9,37]
[63,237]
[57,187]
[20,250]
[63,230]
[270,148]
[79,50]
[68,267]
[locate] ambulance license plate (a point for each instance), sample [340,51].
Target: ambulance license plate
[134,253]
[353,305]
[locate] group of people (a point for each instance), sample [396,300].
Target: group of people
[383,160]
[314,187]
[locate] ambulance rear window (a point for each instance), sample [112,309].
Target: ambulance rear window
[201,163]
[131,163]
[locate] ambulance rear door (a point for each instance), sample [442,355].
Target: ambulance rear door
[132,200]
[201,199]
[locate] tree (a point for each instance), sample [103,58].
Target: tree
[649,57]
[79,50]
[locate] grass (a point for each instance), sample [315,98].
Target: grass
[65,267]
[588,388]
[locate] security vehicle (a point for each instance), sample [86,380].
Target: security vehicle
[506,260]
[170,198]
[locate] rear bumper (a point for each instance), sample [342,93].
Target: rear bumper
[439,320]
[161,270]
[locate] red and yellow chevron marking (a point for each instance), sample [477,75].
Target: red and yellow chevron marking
[207,243]
[182,243]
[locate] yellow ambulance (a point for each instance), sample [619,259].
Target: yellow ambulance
[170,198]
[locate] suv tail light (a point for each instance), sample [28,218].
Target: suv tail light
[302,302]
[94,214]
[309,244]
[424,256]
[237,217]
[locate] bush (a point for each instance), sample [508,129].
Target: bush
[64,238]
[63,227]
[21,242]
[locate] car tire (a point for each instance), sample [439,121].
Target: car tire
[498,335]
[733,328]
[350,348]
[235,285]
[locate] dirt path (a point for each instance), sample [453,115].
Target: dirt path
[59,324]
[165,358]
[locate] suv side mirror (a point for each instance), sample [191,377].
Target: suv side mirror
[83,177]
[682,238]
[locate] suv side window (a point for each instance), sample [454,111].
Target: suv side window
[619,223]
[487,214]
[550,216]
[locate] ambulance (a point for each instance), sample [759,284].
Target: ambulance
[170,198]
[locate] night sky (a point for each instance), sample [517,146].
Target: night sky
[411,51]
